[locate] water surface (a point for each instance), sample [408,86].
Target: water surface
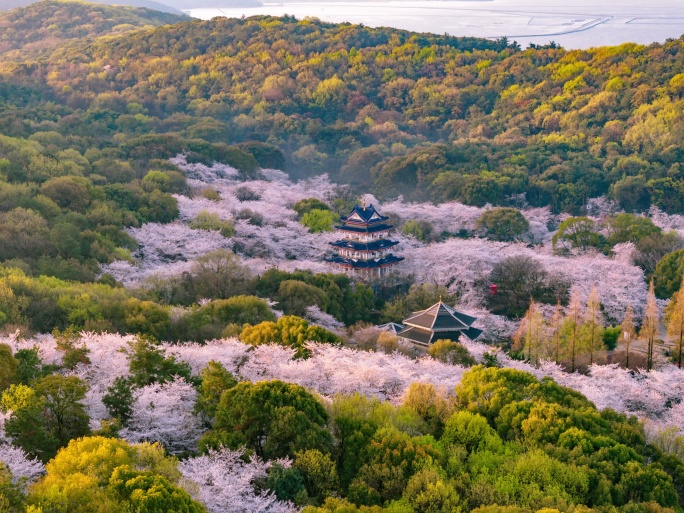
[572,23]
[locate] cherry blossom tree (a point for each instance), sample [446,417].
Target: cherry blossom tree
[225,483]
[164,413]
[316,316]
[24,469]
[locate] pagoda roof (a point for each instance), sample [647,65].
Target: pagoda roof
[391,327]
[365,264]
[427,337]
[416,335]
[364,246]
[364,215]
[441,320]
[369,228]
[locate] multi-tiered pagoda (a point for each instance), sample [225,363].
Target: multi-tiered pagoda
[363,248]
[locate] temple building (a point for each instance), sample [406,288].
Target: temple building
[440,321]
[363,248]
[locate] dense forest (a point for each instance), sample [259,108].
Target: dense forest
[387,110]
[42,26]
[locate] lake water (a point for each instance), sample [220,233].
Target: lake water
[572,23]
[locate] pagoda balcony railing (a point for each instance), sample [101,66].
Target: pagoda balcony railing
[359,255]
[365,238]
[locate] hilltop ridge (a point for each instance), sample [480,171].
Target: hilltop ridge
[39,27]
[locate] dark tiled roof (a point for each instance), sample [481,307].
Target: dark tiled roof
[365,264]
[444,322]
[392,327]
[365,214]
[364,246]
[416,334]
[465,319]
[372,228]
[472,333]
[422,319]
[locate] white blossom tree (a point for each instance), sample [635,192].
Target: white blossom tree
[24,469]
[224,482]
[164,413]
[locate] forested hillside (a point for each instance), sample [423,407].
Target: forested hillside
[39,27]
[421,115]
[148,4]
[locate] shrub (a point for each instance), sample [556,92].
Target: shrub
[451,352]
[421,230]
[211,222]
[247,194]
[307,205]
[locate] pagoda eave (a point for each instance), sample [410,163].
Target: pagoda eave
[365,264]
[364,247]
[364,229]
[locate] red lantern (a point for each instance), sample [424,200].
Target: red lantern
[493,289]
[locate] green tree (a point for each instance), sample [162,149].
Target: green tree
[319,474]
[273,418]
[650,325]
[431,404]
[29,366]
[148,364]
[631,193]
[145,492]
[668,274]
[12,497]
[211,222]
[593,328]
[219,275]
[66,342]
[146,318]
[531,336]
[504,224]
[307,205]
[391,459]
[675,322]
[215,380]
[295,296]
[471,431]
[8,367]
[428,492]
[628,332]
[52,417]
[577,233]
[81,479]
[289,331]
[236,310]
[317,220]
[630,228]
[571,330]
[119,399]
[451,352]
[519,280]
[421,230]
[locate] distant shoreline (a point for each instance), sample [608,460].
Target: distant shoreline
[571,25]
